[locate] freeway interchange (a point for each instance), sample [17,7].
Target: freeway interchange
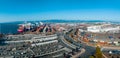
[86,51]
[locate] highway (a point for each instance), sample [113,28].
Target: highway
[78,54]
[88,49]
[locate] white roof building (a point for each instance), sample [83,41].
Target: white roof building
[103,28]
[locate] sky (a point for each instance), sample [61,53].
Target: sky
[29,10]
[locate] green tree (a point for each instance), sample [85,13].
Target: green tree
[91,57]
[98,53]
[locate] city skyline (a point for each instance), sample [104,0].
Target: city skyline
[27,10]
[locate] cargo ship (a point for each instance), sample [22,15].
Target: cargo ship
[35,27]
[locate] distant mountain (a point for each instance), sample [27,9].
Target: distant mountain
[72,21]
[57,21]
